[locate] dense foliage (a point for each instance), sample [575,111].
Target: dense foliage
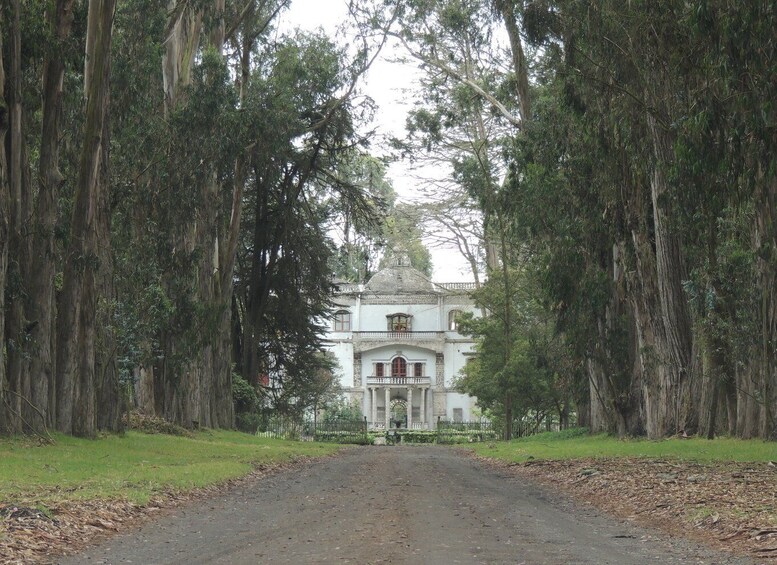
[164,227]
[621,158]
[610,164]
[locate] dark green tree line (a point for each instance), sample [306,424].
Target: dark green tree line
[632,182]
[166,186]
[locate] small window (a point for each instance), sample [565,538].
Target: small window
[453,325]
[399,323]
[342,321]
[418,369]
[458,414]
[399,367]
[378,369]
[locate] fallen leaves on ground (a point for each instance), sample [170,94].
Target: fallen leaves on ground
[30,534]
[731,506]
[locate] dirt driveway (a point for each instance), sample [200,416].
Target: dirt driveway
[393,505]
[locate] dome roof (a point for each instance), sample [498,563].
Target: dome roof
[399,279]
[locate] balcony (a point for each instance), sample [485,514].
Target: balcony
[364,341]
[393,336]
[373,380]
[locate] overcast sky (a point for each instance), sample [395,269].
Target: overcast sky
[390,84]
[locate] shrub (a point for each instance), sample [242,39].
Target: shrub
[243,395]
[344,436]
[418,436]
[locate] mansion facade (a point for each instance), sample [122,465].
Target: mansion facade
[396,341]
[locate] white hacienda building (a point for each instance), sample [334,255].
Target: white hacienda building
[396,342]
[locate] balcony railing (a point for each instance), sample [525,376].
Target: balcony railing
[381,336]
[375,380]
[458,285]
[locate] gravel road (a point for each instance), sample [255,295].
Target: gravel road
[419,504]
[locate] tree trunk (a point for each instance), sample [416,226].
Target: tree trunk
[644,298]
[178,387]
[5,197]
[598,416]
[715,347]
[110,401]
[748,406]
[508,434]
[670,268]
[181,46]
[42,302]
[77,336]
[15,324]
[520,66]
[766,251]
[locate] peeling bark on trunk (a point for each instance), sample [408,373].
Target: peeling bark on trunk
[77,332]
[598,414]
[110,402]
[670,268]
[520,65]
[5,196]
[17,380]
[181,43]
[748,405]
[644,298]
[199,394]
[766,250]
[42,302]
[177,388]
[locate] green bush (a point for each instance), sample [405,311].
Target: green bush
[344,436]
[247,422]
[342,410]
[243,395]
[468,436]
[418,436]
[246,401]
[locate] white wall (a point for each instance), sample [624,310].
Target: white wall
[373,316]
[455,359]
[387,353]
[458,400]
[429,316]
[343,352]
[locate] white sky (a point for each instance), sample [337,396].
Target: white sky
[391,86]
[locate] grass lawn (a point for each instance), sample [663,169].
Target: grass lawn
[575,444]
[135,466]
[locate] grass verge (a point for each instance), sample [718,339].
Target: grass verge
[577,444]
[134,467]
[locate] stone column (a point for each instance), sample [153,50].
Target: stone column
[357,370]
[388,407]
[374,404]
[439,399]
[409,408]
[423,407]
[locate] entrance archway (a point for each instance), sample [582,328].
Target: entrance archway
[398,412]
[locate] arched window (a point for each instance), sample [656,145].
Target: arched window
[399,367]
[399,322]
[342,321]
[453,325]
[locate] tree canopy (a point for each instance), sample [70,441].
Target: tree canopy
[180,182]
[165,226]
